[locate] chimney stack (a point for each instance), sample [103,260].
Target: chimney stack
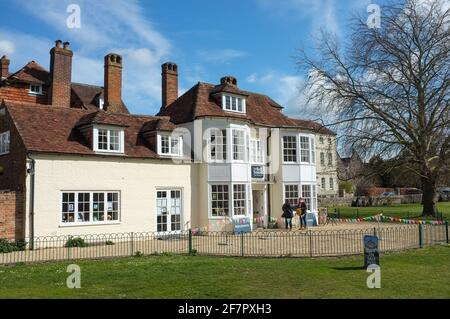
[60,74]
[113,83]
[169,83]
[4,71]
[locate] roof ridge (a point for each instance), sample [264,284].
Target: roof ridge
[85,84]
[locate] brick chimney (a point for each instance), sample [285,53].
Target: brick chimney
[169,83]
[113,83]
[60,74]
[4,71]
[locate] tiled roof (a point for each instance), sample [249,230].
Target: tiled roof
[201,101]
[31,73]
[51,129]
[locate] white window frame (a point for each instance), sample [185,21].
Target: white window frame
[244,200]
[302,150]
[169,207]
[5,143]
[331,183]
[109,129]
[296,148]
[170,138]
[233,103]
[243,146]
[301,194]
[220,145]
[33,92]
[91,208]
[231,197]
[293,201]
[256,151]
[323,183]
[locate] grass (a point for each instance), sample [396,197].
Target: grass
[402,211]
[423,273]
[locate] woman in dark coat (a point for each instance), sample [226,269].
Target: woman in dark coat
[287,214]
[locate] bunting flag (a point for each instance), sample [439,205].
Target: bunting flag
[385,219]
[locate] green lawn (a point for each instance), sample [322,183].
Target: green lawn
[423,273]
[403,210]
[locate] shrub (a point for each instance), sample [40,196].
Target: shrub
[138,254]
[7,246]
[76,242]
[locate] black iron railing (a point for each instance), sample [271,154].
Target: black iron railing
[263,243]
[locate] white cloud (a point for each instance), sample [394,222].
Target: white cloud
[106,26]
[221,56]
[7,47]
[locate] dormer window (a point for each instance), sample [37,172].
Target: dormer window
[35,89]
[233,103]
[170,145]
[108,140]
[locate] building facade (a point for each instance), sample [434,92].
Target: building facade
[75,161]
[327,165]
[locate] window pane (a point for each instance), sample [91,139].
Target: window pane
[304,149]
[102,139]
[165,146]
[84,207]
[113,206]
[306,194]
[219,200]
[239,198]
[114,140]
[174,147]
[239,145]
[98,207]
[291,193]
[290,149]
[68,208]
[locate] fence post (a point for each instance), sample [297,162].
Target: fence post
[420,236]
[446,231]
[132,244]
[190,242]
[242,244]
[68,246]
[310,244]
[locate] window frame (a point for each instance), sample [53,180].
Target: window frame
[245,187]
[323,183]
[170,138]
[256,151]
[5,143]
[220,145]
[244,146]
[331,183]
[284,149]
[39,92]
[228,100]
[109,129]
[329,159]
[91,213]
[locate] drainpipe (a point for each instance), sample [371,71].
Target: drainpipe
[30,171]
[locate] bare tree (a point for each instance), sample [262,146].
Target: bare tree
[388,88]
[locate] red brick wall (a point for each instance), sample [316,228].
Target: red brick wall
[169,83]
[13,172]
[113,83]
[12,215]
[19,92]
[61,76]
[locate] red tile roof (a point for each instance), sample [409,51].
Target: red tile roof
[51,129]
[201,101]
[31,73]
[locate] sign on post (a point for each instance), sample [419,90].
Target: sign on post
[242,225]
[371,254]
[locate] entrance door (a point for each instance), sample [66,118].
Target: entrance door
[259,208]
[168,210]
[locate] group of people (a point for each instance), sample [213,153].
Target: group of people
[300,211]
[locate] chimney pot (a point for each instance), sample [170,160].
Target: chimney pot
[66,45]
[58,43]
[229,80]
[169,83]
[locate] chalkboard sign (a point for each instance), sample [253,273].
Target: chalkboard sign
[371,255]
[257,171]
[242,225]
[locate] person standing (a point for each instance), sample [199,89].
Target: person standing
[303,208]
[287,214]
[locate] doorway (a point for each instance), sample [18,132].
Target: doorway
[259,207]
[168,210]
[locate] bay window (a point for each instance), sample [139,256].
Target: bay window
[217,145]
[290,149]
[90,207]
[238,145]
[291,193]
[239,199]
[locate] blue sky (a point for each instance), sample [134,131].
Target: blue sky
[254,40]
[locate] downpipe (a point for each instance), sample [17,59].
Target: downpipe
[31,172]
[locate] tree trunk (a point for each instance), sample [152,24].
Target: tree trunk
[429,197]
